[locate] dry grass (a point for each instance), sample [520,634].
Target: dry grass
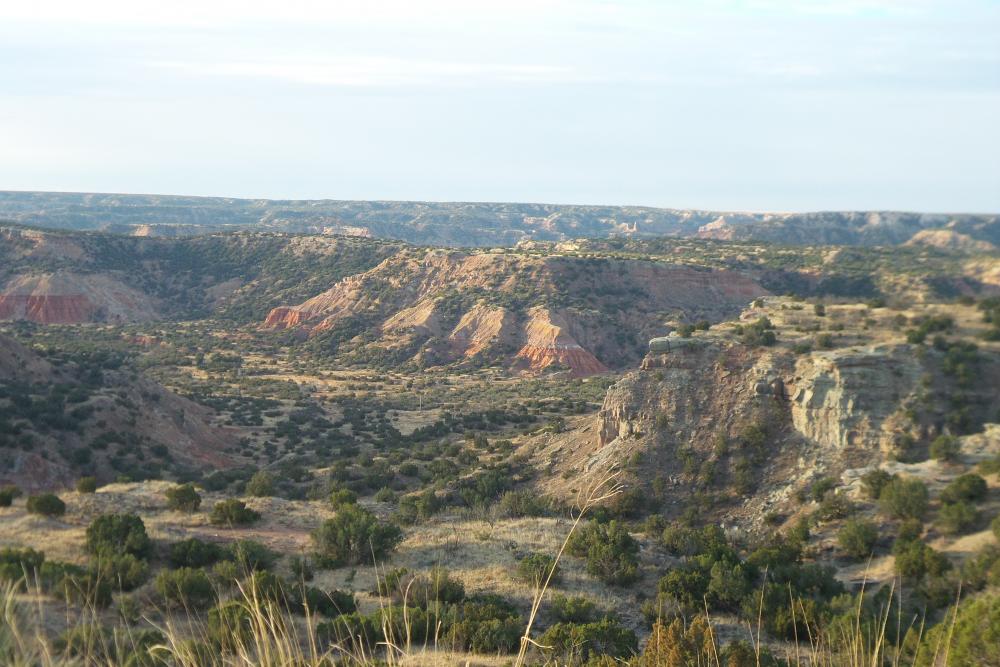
[275,638]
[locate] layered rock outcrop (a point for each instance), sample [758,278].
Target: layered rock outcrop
[547,342]
[533,313]
[844,398]
[711,410]
[73,298]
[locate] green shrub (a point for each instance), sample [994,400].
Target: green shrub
[123,570]
[741,653]
[301,568]
[261,485]
[874,481]
[824,341]
[230,626]
[909,530]
[250,555]
[611,553]
[86,485]
[835,506]
[857,538]
[385,495]
[186,588]
[20,564]
[955,518]
[342,497]
[233,512]
[483,624]
[7,495]
[437,587]
[129,609]
[419,506]
[968,487]
[193,552]
[83,589]
[354,629]
[760,333]
[972,637]
[821,487]
[904,499]
[915,559]
[945,448]
[266,586]
[353,537]
[46,504]
[681,540]
[183,498]
[226,574]
[118,534]
[329,603]
[521,503]
[572,643]
[535,568]
[575,609]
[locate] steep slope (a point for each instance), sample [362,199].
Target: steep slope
[67,278]
[62,418]
[470,224]
[712,416]
[864,228]
[530,312]
[950,240]
[65,297]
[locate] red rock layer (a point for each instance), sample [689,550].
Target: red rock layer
[47,308]
[283,317]
[579,361]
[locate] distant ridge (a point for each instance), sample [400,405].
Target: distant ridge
[471,224]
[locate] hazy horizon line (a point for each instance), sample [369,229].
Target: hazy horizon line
[696,209]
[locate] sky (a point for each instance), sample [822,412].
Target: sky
[780,105]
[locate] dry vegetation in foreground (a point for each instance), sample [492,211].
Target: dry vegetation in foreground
[256,628]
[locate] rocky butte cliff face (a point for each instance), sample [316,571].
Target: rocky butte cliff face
[844,399]
[532,313]
[700,409]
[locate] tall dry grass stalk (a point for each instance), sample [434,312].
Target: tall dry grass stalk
[603,489]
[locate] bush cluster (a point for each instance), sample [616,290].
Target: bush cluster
[46,504]
[233,512]
[354,536]
[610,551]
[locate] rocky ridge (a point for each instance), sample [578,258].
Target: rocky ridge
[711,406]
[533,312]
[467,224]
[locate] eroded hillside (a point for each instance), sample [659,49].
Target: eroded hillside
[53,277]
[63,414]
[375,431]
[750,412]
[527,312]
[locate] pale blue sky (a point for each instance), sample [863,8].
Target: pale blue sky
[719,104]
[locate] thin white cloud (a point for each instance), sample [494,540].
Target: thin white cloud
[218,13]
[371,71]
[835,7]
